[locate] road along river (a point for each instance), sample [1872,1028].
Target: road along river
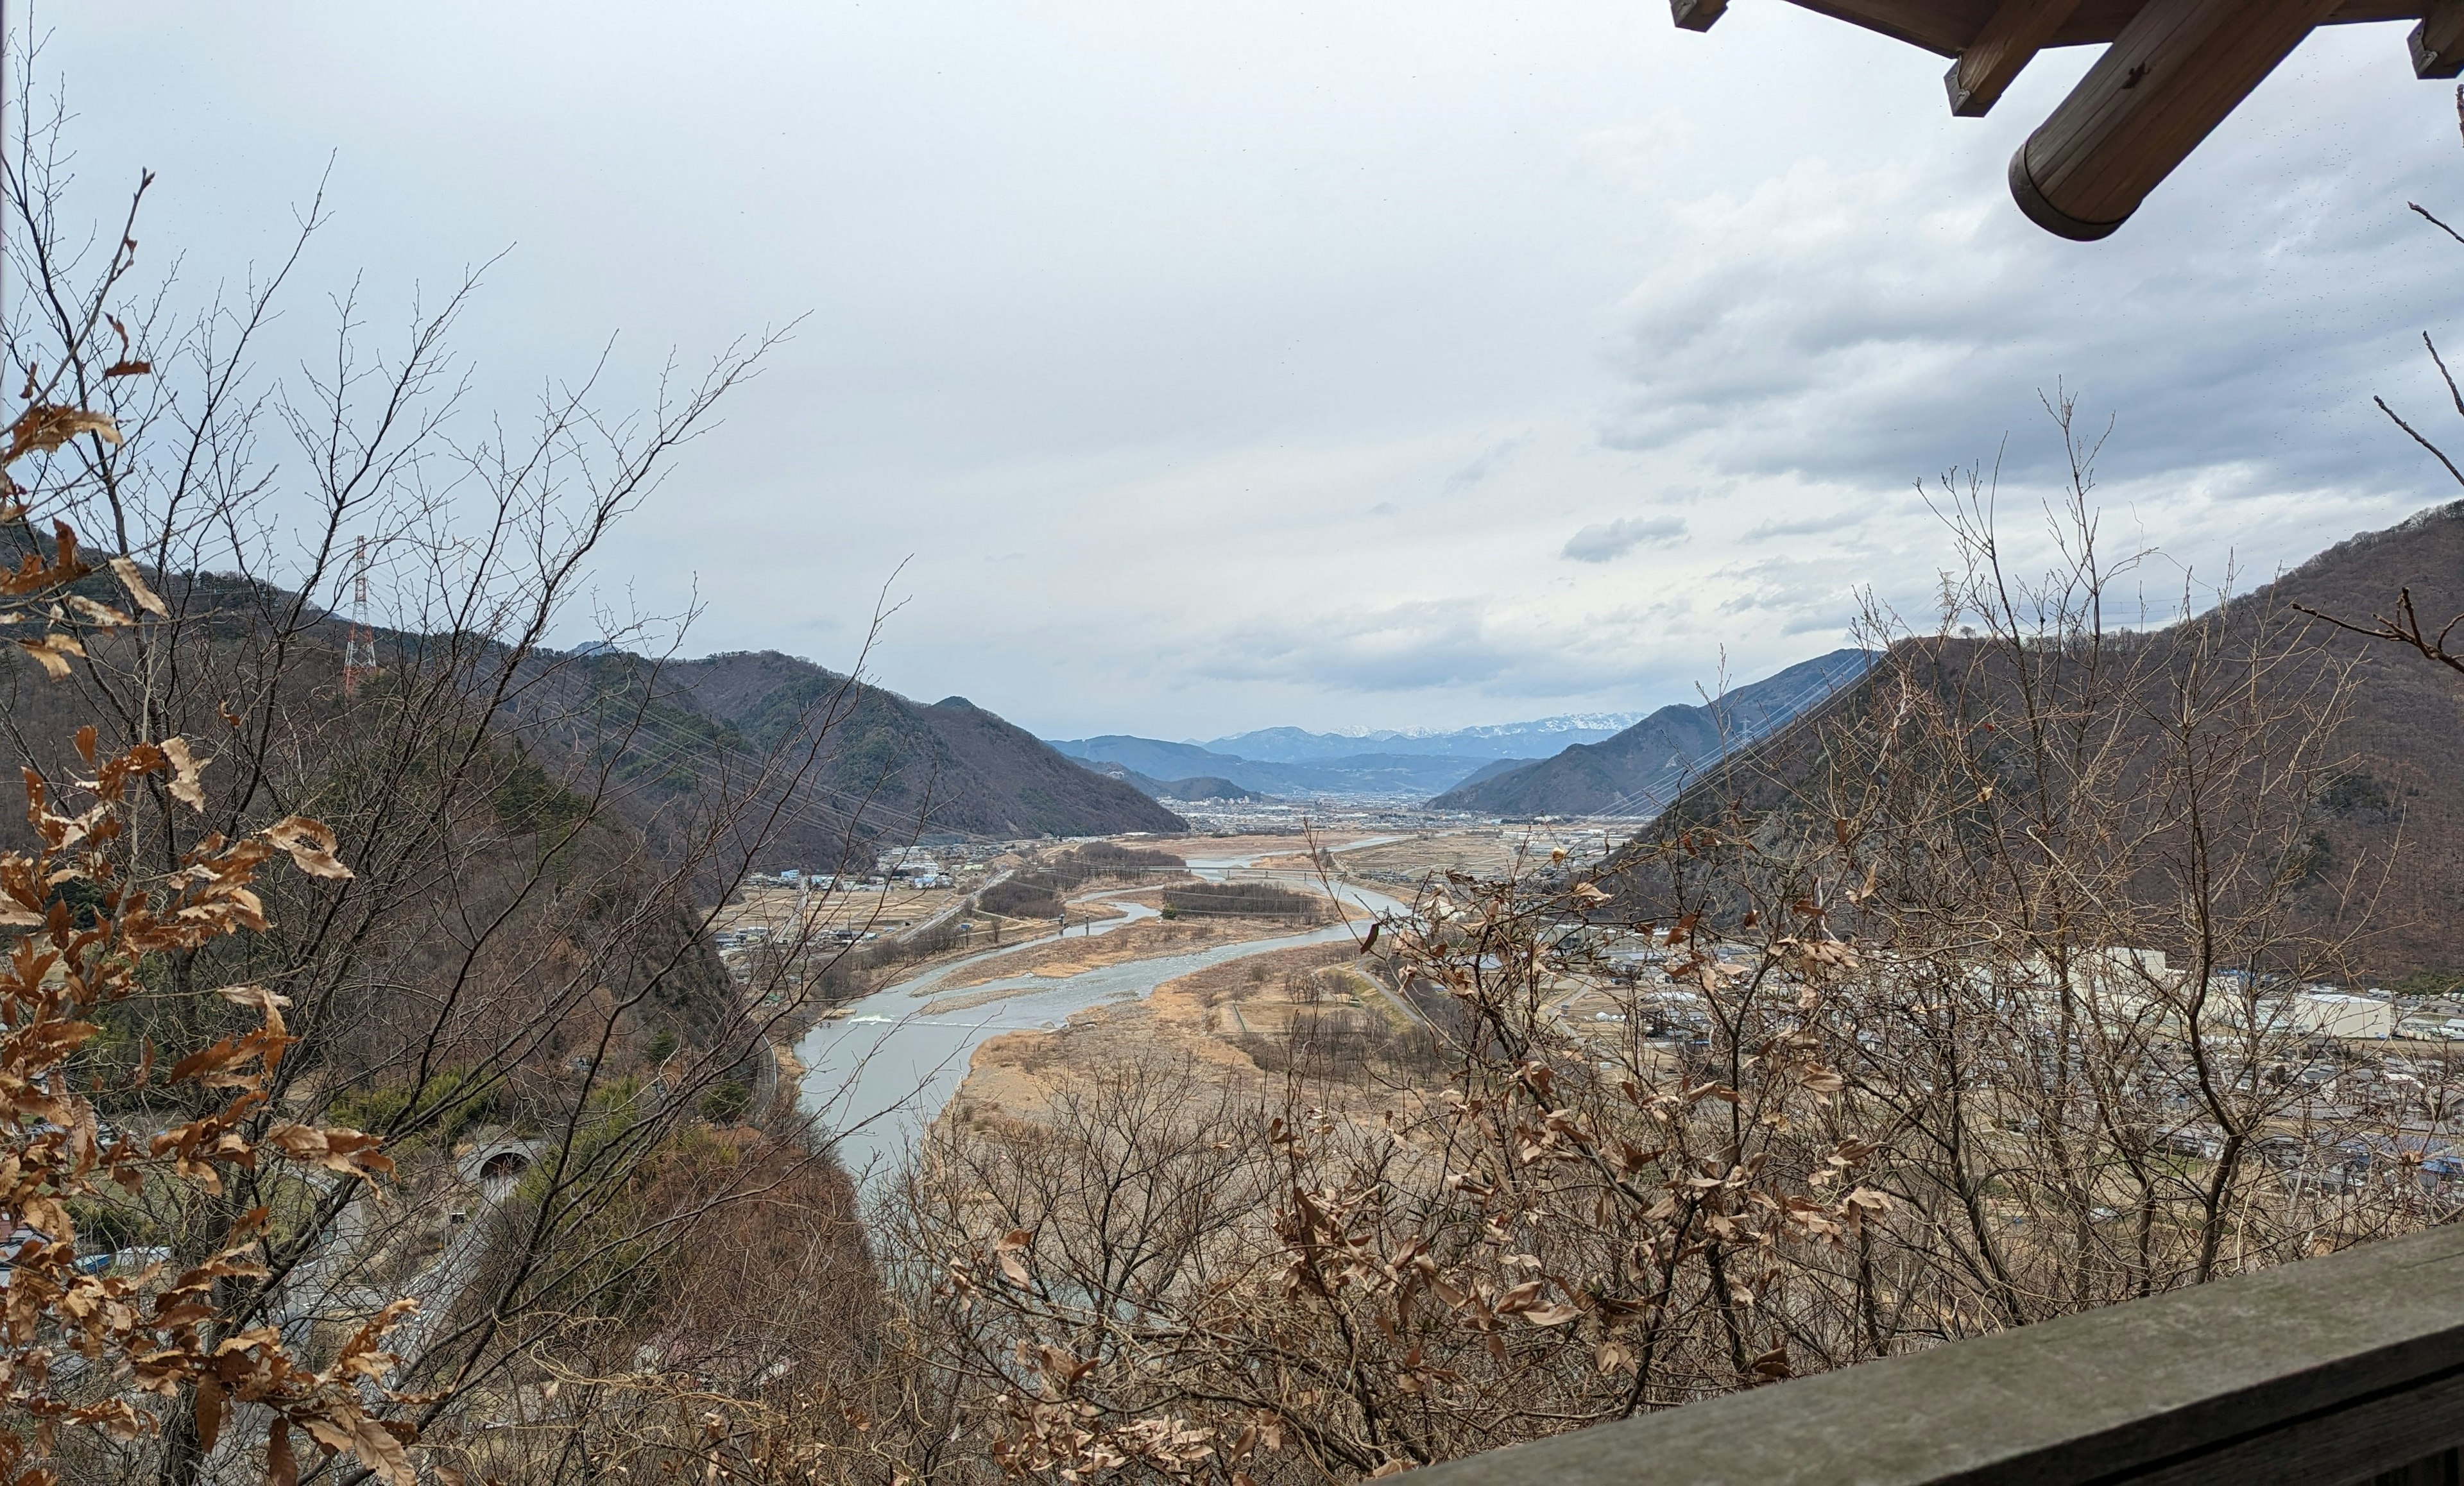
[885,1071]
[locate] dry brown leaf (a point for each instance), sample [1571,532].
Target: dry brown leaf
[139,594]
[379,1451]
[47,426]
[280,1468]
[326,1432]
[266,1003]
[102,615]
[311,847]
[184,786]
[348,1152]
[210,1412]
[52,652]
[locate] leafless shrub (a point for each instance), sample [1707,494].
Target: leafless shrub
[1983,1012]
[507,994]
[1262,900]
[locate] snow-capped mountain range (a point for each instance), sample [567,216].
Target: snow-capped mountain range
[1537,739]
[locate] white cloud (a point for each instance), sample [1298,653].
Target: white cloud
[1634,156]
[1492,460]
[1219,368]
[1607,541]
[1504,651]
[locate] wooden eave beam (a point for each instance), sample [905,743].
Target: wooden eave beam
[1939,25]
[2438,41]
[2170,78]
[2096,22]
[1696,14]
[2173,70]
[2011,37]
[1950,28]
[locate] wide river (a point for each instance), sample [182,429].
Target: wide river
[884,1072]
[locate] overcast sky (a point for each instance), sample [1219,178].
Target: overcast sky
[1218,367]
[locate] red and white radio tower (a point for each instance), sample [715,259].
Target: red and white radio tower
[359,650]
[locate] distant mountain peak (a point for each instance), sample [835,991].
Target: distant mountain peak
[894,768]
[1482,742]
[1642,767]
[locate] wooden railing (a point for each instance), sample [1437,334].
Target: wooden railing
[2335,1371]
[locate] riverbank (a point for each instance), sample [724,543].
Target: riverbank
[1151,938]
[1203,1018]
[886,1069]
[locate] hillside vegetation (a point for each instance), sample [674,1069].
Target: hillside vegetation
[871,765]
[1641,768]
[378,1106]
[1366,773]
[1192,789]
[2376,859]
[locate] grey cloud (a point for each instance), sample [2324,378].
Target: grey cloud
[1228,272]
[1437,645]
[1839,620]
[1397,647]
[1852,327]
[1795,596]
[1487,463]
[1608,540]
[1805,526]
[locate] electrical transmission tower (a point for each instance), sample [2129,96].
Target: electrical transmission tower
[359,650]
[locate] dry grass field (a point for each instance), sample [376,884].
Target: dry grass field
[1151,939]
[867,911]
[1487,851]
[1216,848]
[1198,1017]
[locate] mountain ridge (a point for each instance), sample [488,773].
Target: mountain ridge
[1489,740]
[1203,787]
[1416,762]
[891,767]
[1413,775]
[1648,764]
[2390,803]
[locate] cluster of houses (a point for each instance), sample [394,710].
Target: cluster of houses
[2430,1019]
[2366,1114]
[2129,984]
[905,866]
[920,868]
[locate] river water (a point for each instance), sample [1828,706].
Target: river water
[884,1072]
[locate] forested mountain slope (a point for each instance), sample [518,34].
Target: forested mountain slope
[2377,850]
[1642,768]
[1202,787]
[1537,739]
[1353,774]
[886,769]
